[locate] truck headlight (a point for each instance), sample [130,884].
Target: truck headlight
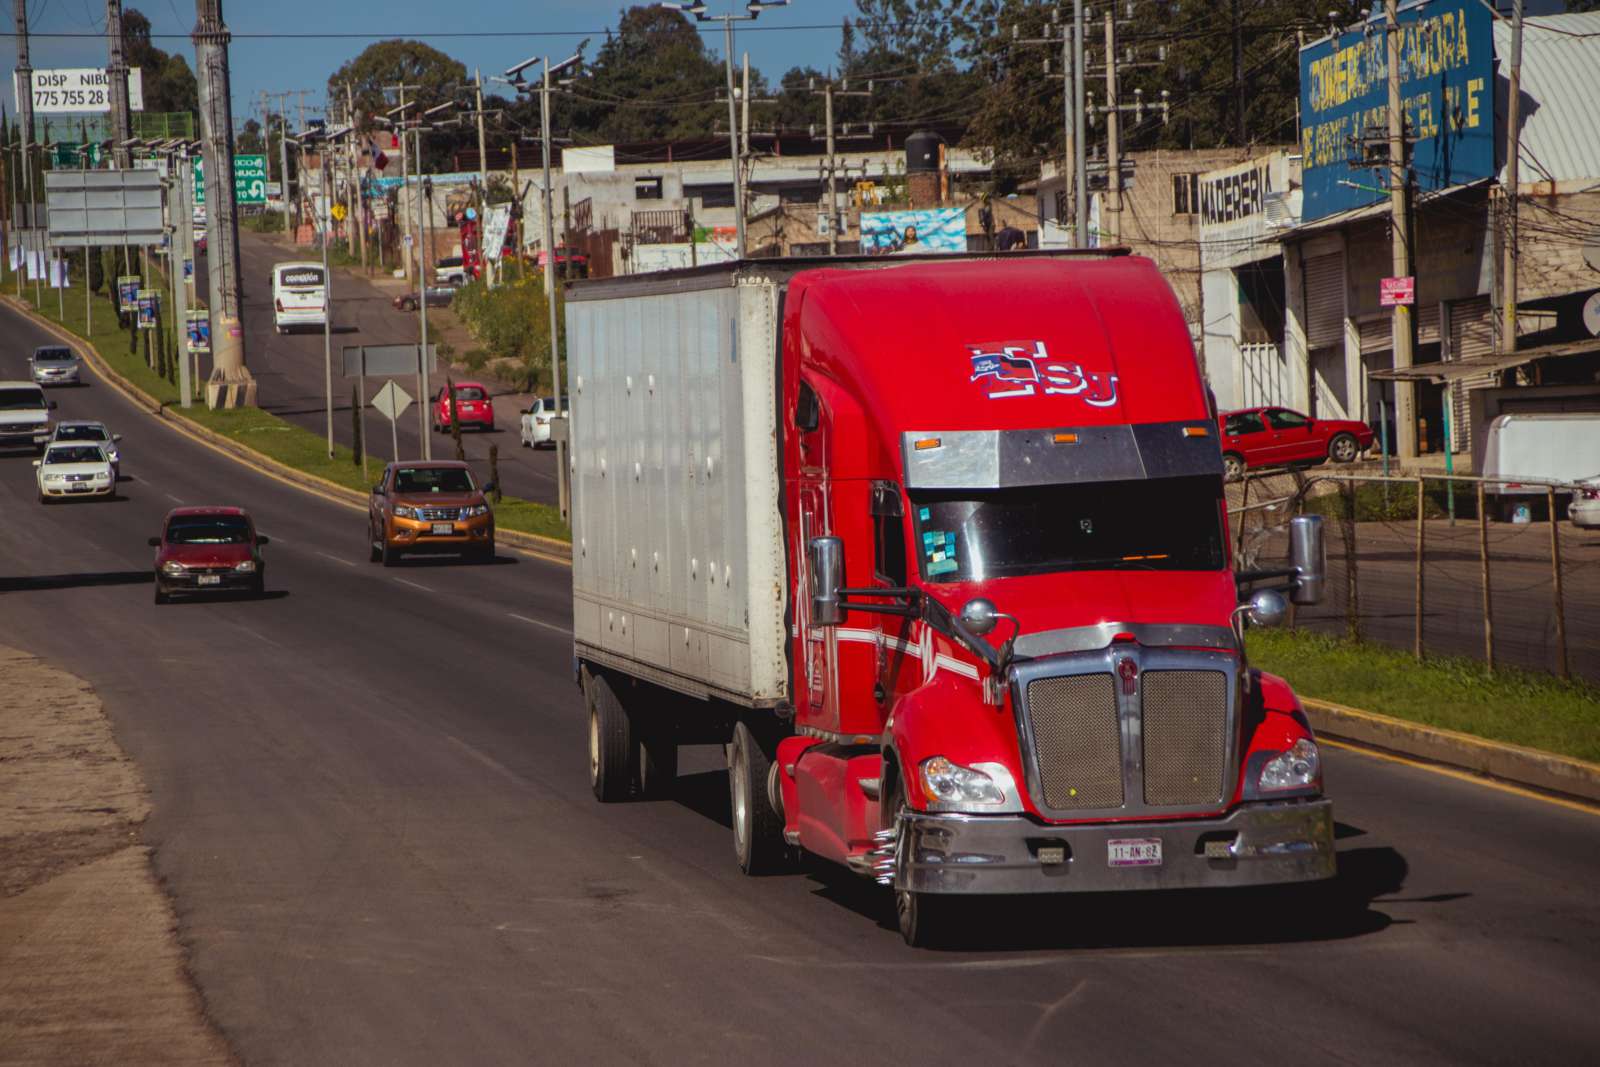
[946,782]
[247,567]
[474,511]
[1298,768]
[172,566]
[403,512]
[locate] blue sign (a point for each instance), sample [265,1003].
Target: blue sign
[1447,93]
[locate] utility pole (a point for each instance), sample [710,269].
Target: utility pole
[231,384]
[1400,234]
[25,109]
[483,178]
[1071,108]
[1113,123]
[829,91]
[1238,76]
[1508,291]
[405,176]
[355,202]
[117,79]
[1080,178]
[283,163]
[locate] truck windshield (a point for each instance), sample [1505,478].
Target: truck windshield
[1167,524]
[21,400]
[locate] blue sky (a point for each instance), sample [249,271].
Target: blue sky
[280,64]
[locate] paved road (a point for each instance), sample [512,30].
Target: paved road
[370,803]
[289,370]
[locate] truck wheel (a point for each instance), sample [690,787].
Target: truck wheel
[757,829]
[1232,466]
[611,745]
[387,553]
[658,766]
[923,918]
[1343,448]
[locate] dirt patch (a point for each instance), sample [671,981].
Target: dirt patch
[90,968]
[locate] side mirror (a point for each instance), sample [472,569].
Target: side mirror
[488,487]
[979,616]
[1267,608]
[154,542]
[38,463]
[377,490]
[827,575]
[116,437]
[1308,555]
[263,540]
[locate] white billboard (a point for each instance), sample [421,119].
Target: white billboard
[74,90]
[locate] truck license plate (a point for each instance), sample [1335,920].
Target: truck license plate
[1133,852]
[209,579]
[443,529]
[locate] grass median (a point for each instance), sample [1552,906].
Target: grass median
[253,428]
[1516,706]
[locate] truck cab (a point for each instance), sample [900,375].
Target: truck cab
[1011,639]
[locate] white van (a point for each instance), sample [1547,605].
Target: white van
[1558,446]
[299,295]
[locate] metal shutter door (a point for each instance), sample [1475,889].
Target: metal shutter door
[1472,333]
[1324,278]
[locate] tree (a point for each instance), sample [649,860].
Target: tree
[400,62]
[251,138]
[169,84]
[652,80]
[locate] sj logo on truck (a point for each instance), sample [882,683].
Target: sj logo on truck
[1025,368]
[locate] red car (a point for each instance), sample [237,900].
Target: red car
[1276,437]
[208,550]
[473,407]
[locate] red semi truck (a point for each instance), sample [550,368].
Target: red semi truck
[937,549]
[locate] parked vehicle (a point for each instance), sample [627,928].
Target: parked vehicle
[535,422]
[438,297]
[74,470]
[24,416]
[299,296]
[474,407]
[87,431]
[1538,447]
[1584,511]
[56,365]
[569,261]
[452,270]
[430,507]
[1279,437]
[938,552]
[209,550]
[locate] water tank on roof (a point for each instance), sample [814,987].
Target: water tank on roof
[922,151]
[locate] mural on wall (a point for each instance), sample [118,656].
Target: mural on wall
[941,229]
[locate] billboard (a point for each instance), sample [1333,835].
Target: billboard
[74,90]
[104,207]
[941,229]
[1447,94]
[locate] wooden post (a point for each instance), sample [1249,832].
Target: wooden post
[1244,514]
[1555,579]
[1352,607]
[1421,541]
[1488,604]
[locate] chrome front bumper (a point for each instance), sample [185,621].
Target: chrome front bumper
[1257,844]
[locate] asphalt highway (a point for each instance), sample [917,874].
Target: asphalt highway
[371,807]
[291,381]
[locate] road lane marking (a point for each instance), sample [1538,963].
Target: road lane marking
[1463,776]
[414,585]
[336,559]
[174,499]
[487,761]
[538,622]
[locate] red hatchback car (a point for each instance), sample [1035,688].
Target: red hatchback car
[1278,437]
[472,405]
[208,550]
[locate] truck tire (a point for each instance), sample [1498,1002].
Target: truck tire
[757,830]
[923,918]
[1343,448]
[611,745]
[658,766]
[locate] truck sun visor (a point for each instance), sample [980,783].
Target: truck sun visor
[997,459]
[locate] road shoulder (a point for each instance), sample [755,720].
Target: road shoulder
[91,970]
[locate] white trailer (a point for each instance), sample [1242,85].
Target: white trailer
[1539,447]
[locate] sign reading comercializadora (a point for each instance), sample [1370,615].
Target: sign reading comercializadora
[1447,93]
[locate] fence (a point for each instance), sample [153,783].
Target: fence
[1421,563]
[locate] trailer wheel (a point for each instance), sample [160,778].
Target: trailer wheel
[611,744]
[658,765]
[923,918]
[757,829]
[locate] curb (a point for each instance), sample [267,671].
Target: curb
[543,547]
[1494,759]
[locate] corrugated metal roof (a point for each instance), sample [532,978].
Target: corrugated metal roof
[1561,78]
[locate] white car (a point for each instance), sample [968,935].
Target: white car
[87,431]
[72,470]
[1584,511]
[535,422]
[24,415]
[56,365]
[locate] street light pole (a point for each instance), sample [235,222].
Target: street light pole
[327,292]
[549,238]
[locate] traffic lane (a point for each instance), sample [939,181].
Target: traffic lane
[371,803]
[291,381]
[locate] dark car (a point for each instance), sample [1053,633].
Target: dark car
[439,296]
[1279,437]
[208,550]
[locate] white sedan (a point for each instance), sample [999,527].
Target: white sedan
[535,422]
[1585,508]
[89,432]
[73,470]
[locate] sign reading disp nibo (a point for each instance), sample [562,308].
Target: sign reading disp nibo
[1447,96]
[77,90]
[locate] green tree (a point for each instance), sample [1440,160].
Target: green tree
[169,84]
[652,79]
[400,62]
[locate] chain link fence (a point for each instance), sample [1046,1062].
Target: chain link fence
[1429,564]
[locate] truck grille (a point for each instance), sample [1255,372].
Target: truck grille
[439,514]
[1185,717]
[1077,741]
